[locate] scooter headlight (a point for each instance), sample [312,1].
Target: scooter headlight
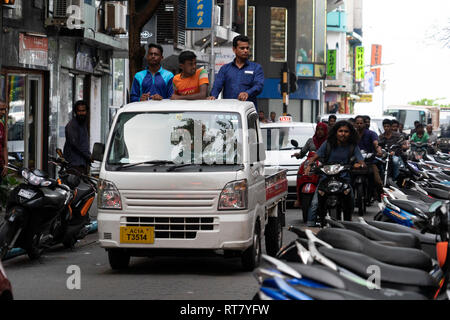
[332,169]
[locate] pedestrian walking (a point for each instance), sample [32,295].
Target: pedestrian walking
[240,79]
[273,117]
[154,83]
[191,83]
[76,148]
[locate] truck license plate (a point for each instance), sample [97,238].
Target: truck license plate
[137,234]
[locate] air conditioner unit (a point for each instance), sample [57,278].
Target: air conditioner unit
[69,13]
[115,18]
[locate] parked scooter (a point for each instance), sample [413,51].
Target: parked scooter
[42,212]
[330,265]
[84,188]
[32,208]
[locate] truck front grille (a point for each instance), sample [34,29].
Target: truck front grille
[174,227]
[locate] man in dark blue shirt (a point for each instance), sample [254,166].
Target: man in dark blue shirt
[76,148]
[240,79]
[154,83]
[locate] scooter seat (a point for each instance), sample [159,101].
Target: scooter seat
[400,239]
[395,277]
[411,206]
[355,242]
[331,278]
[83,190]
[438,193]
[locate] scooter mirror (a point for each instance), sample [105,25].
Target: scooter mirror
[294,143]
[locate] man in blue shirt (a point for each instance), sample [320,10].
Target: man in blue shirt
[155,83]
[240,79]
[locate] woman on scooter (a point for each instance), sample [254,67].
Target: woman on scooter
[343,145]
[313,144]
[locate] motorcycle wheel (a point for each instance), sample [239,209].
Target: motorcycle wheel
[35,250]
[306,199]
[360,200]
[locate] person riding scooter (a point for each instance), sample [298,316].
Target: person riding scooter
[340,147]
[303,181]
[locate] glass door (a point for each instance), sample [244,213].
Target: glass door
[25,120]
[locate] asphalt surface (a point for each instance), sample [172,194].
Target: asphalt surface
[52,277]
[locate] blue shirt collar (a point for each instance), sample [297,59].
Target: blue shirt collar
[246,64]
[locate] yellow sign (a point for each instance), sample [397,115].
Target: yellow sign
[135,234]
[365,98]
[359,63]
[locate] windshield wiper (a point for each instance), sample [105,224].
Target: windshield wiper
[202,164]
[152,162]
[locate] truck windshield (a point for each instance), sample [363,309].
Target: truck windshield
[171,138]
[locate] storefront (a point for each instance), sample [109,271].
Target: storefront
[23,84]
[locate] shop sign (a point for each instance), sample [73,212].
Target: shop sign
[331,63]
[33,50]
[199,14]
[359,63]
[376,60]
[365,98]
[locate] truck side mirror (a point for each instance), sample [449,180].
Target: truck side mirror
[98,151]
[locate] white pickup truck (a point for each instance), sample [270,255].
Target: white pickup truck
[188,175]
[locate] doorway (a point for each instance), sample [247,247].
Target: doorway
[24,95]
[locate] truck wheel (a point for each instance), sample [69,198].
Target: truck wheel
[118,259]
[273,236]
[251,257]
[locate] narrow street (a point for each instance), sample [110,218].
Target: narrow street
[159,278]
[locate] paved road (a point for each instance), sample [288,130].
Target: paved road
[166,278]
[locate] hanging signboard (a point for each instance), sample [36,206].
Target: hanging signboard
[331,63]
[199,14]
[33,50]
[359,63]
[376,60]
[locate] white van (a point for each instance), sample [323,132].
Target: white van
[180,175]
[277,137]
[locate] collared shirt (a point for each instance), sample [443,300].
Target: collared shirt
[144,82]
[249,78]
[366,141]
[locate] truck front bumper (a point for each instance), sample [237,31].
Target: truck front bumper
[225,230]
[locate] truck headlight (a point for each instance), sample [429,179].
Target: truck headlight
[108,195]
[234,196]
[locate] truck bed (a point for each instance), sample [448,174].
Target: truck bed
[276,187]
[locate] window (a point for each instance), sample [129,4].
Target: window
[278,34]
[305,30]
[118,81]
[251,31]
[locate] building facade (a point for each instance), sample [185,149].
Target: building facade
[59,52]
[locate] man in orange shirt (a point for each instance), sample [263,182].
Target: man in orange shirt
[191,83]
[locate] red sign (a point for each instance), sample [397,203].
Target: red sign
[376,60]
[33,50]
